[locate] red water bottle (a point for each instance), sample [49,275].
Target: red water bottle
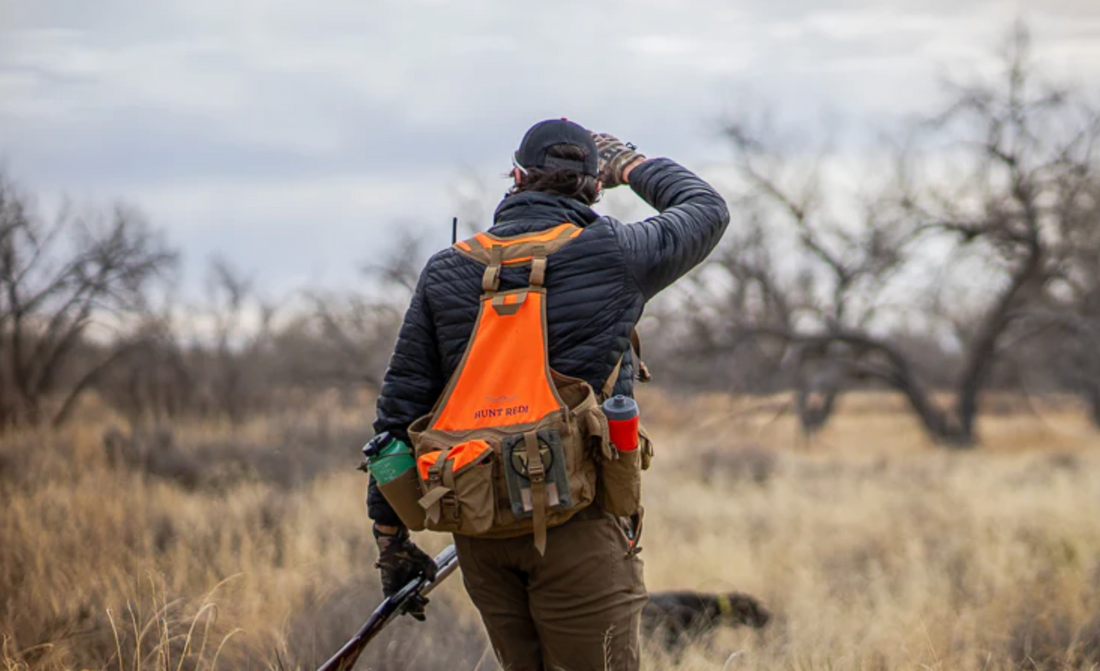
[622,419]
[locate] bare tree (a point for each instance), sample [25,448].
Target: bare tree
[230,356]
[156,381]
[350,334]
[344,341]
[1000,179]
[398,268]
[847,264]
[58,278]
[708,323]
[1060,339]
[234,376]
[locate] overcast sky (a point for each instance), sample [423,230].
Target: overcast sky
[290,136]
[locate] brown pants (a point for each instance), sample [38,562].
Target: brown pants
[578,608]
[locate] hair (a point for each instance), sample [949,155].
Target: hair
[561,181]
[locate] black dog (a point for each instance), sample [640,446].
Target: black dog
[682,618]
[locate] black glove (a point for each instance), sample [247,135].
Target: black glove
[614,156]
[401,561]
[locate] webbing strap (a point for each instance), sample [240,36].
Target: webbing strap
[643,371]
[538,267]
[637,520]
[449,505]
[636,344]
[431,501]
[596,423]
[490,281]
[609,383]
[537,475]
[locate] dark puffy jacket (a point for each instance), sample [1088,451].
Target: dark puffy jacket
[596,286]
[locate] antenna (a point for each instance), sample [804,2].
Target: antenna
[454,230]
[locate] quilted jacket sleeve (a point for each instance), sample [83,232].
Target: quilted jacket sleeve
[413,382]
[692,219]
[414,379]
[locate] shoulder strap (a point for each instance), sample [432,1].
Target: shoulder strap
[490,279]
[495,252]
[518,249]
[609,383]
[643,370]
[636,345]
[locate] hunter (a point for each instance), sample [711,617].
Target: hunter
[554,573]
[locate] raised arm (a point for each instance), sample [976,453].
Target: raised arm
[692,219]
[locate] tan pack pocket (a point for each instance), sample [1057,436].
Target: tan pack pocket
[645,446]
[458,488]
[621,483]
[403,494]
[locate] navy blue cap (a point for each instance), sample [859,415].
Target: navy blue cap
[545,134]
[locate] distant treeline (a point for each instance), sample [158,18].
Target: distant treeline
[966,258]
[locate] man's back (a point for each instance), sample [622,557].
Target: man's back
[597,286]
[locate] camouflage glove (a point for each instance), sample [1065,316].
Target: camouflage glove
[615,155]
[401,561]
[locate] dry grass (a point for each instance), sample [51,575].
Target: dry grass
[247,547]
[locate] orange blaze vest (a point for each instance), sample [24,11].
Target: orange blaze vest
[511,446]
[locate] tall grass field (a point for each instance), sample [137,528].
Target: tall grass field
[219,546]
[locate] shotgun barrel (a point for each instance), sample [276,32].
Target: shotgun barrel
[446,562]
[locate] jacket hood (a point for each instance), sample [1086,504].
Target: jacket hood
[536,211]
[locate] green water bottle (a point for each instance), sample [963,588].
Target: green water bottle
[388,458]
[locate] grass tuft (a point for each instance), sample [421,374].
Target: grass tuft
[212,546]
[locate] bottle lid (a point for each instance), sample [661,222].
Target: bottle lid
[620,407]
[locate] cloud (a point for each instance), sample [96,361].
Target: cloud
[242,113]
